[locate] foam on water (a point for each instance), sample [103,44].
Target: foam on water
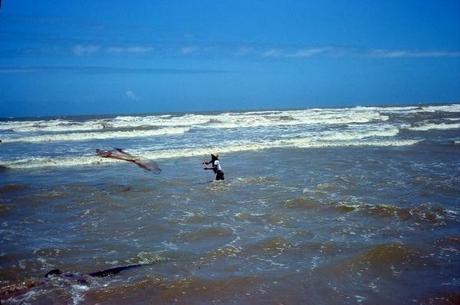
[432,126]
[226,120]
[35,162]
[420,109]
[223,120]
[85,136]
[58,125]
[66,142]
[243,125]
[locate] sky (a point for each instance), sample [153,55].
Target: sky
[143,56]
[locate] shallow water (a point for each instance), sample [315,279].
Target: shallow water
[318,225]
[290,226]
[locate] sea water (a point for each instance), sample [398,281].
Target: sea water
[319,206]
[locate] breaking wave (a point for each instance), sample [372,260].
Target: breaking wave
[432,126]
[424,213]
[226,120]
[222,120]
[35,162]
[86,136]
[186,135]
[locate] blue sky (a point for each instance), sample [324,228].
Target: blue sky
[104,57]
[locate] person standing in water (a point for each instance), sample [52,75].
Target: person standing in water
[215,166]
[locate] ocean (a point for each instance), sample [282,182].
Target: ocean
[319,206]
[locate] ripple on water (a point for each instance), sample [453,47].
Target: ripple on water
[4,208]
[448,241]
[51,252]
[191,290]
[14,187]
[383,259]
[425,213]
[199,218]
[371,273]
[196,289]
[225,251]
[255,180]
[269,246]
[145,257]
[207,233]
[326,187]
[301,203]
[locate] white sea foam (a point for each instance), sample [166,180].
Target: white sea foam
[432,126]
[57,125]
[358,133]
[85,136]
[77,292]
[225,120]
[230,147]
[201,133]
[350,133]
[418,109]
[253,119]
[443,108]
[222,120]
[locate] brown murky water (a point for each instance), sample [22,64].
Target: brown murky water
[288,226]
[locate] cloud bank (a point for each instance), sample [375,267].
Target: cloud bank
[87,50]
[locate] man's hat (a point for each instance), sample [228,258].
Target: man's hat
[215,155]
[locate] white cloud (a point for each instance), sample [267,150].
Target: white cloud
[272,53]
[411,53]
[189,50]
[243,51]
[130,94]
[295,53]
[82,50]
[129,50]
[308,52]
[378,53]
[85,50]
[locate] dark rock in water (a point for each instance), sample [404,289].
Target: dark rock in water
[7,188]
[3,168]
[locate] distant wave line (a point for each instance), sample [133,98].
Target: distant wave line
[224,120]
[97,135]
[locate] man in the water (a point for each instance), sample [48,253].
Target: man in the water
[215,166]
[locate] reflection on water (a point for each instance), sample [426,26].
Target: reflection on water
[298,226]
